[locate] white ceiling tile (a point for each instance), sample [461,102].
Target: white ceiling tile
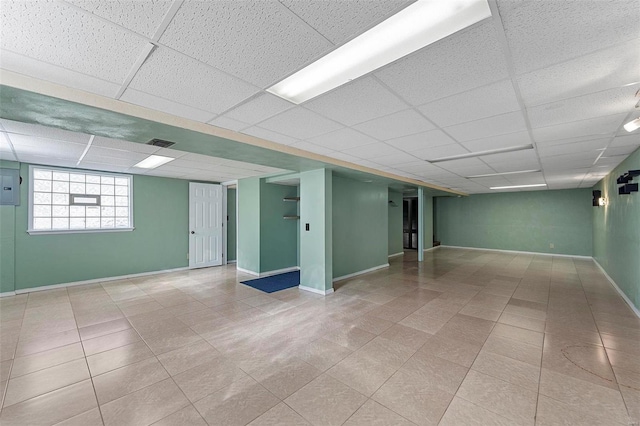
[493,126]
[569,161]
[541,33]
[605,69]
[141,16]
[491,181]
[229,123]
[394,159]
[525,178]
[260,108]
[435,152]
[200,158]
[300,123]
[611,161]
[173,76]
[605,103]
[595,127]
[396,125]
[571,148]
[497,142]
[259,42]
[605,140]
[420,168]
[512,158]
[7,154]
[466,167]
[36,130]
[494,99]
[344,157]
[173,153]
[308,146]
[620,150]
[361,100]
[157,103]
[60,34]
[342,139]
[100,141]
[514,166]
[421,141]
[341,20]
[625,141]
[30,145]
[95,153]
[465,60]
[56,74]
[270,135]
[110,162]
[47,160]
[377,149]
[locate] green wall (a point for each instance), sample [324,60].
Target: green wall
[616,231]
[278,237]
[428,221]
[395,223]
[159,241]
[316,247]
[231,224]
[7,240]
[360,226]
[266,241]
[248,249]
[523,221]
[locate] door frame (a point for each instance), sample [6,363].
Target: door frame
[225,187]
[224,230]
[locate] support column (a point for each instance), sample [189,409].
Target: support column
[316,239]
[420,224]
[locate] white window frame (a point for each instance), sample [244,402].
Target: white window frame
[31,192]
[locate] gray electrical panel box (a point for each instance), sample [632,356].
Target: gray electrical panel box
[10,187]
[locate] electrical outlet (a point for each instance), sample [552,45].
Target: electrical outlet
[551,245]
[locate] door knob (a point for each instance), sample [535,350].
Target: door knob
[193,232]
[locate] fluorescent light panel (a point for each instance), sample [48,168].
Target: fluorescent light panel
[518,186]
[482,153]
[632,125]
[416,26]
[153,161]
[504,174]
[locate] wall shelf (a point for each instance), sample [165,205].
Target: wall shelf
[294,199]
[291,217]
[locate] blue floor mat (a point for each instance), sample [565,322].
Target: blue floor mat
[275,282]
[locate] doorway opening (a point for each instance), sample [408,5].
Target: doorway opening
[410,223]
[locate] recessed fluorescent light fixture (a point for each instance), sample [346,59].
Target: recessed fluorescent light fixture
[504,174]
[414,27]
[153,161]
[632,125]
[482,153]
[519,186]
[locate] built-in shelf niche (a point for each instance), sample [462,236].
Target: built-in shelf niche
[294,199]
[291,217]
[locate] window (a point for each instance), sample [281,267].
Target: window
[63,200]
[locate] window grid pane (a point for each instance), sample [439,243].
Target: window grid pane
[51,209]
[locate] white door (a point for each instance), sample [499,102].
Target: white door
[205,225]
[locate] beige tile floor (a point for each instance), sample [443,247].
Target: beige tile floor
[468,337]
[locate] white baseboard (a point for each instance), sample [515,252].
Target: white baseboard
[246,271]
[268,273]
[7,294]
[96,280]
[315,290]
[519,252]
[619,290]
[232,261]
[396,254]
[431,248]
[375,268]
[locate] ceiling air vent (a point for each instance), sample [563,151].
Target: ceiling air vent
[161,143]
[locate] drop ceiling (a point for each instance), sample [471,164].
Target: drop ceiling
[561,75]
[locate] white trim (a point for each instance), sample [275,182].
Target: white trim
[96,280]
[519,252]
[315,290]
[396,254]
[231,261]
[432,248]
[619,290]
[364,271]
[246,271]
[7,294]
[78,231]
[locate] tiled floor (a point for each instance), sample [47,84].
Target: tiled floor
[468,337]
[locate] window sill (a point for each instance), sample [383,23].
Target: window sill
[77,231]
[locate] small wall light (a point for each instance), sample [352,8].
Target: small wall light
[602,201]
